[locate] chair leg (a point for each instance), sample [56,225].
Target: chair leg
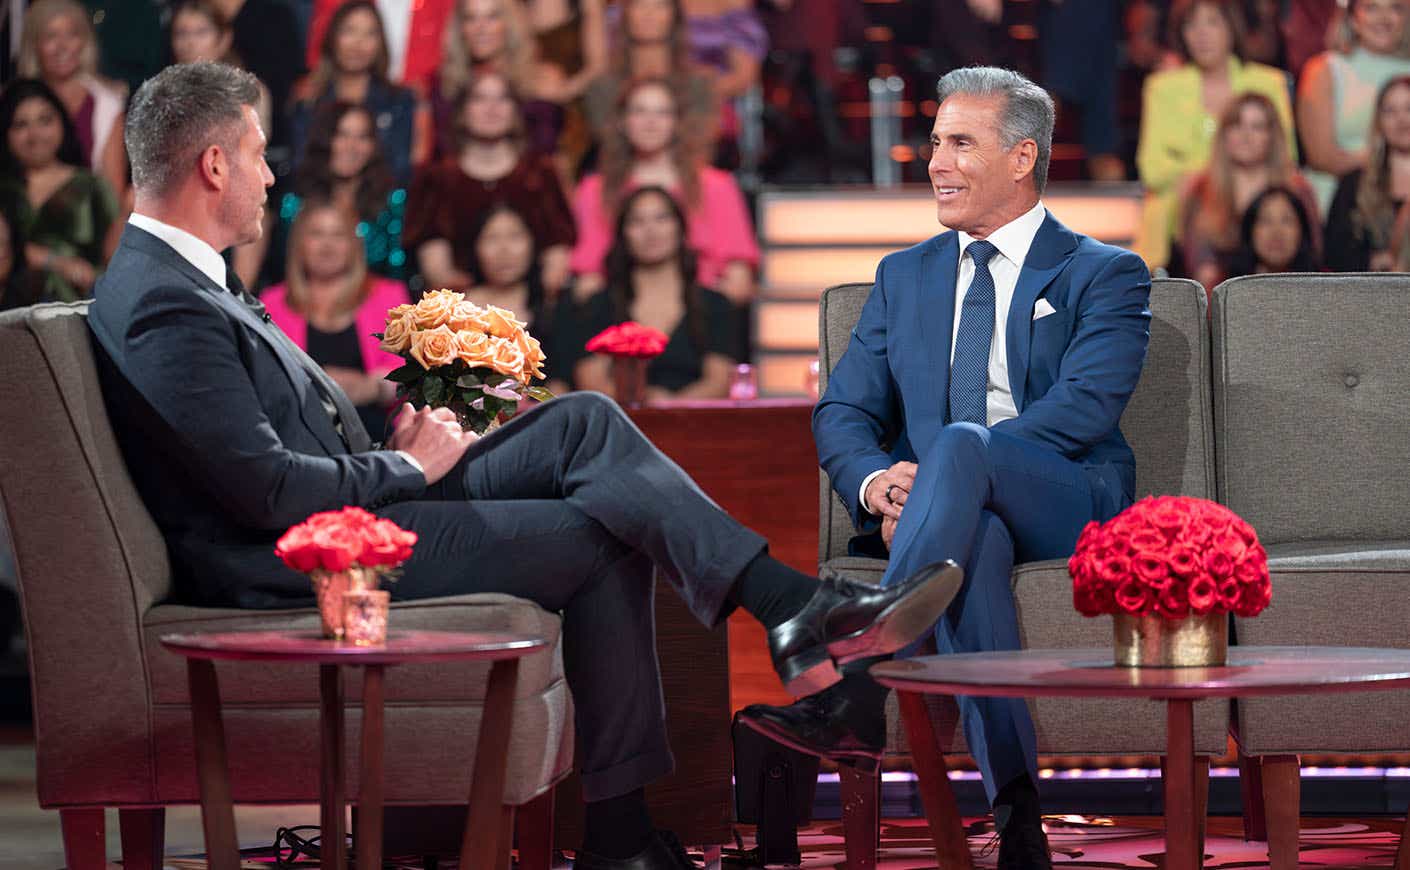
[933,782]
[1201,798]
[504,858]
[143,837]
[861,816]
[85,840]
[533,829]
[1282,793]
[1251,790]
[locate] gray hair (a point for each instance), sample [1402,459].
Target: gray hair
[1028,112]
[179,113]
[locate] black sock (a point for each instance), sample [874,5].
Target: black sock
[618,827]
[771,591]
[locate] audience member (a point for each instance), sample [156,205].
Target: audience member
[505,272]
[1249,155]
[66,214]
[343,163]
[11,265]
[650,279]
[59,47]
[1078,48]
[1181,107]
[414,37]
[728,37]
[268,41]
[330,306]
[1363,211]
[650,41]
[1276,234]
[1263,39]
[200,31]
[1305,28]
[353,68]
[1336,96]
[652,145]
[490,164]
[571,39]
[491,36]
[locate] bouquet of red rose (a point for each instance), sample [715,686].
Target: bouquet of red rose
[629,339]
[344,551]
[1174,556]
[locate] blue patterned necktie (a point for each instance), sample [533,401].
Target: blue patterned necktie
[969,368]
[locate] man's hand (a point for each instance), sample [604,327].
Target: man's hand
[888,532]
[433,438]
[901,476]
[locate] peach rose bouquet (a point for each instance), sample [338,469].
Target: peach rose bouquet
[478,361]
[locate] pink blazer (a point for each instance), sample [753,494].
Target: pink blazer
[371,317]
[719,228]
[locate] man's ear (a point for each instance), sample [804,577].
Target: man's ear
[1023,158]
[214,168]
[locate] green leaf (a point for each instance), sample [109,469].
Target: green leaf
[494,378]
[406,374]
[469,379]
[434,389]
[539,393]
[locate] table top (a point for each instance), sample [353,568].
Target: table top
[1251,670]
[402,647]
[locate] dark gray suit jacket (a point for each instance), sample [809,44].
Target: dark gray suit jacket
[222,427]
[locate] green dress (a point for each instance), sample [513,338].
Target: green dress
[73,222]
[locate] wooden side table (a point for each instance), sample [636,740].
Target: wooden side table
[482,850]
[1251,670]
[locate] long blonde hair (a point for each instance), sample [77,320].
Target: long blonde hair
[520,51]
[1216,213]
[617,154]
[358,284]
[1374,214]
[1341,36]
[37,18]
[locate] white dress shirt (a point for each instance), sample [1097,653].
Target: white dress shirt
[1012,240]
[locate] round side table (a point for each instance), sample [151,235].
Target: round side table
[310,648]
[1251,670]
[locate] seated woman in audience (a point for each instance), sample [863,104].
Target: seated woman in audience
[1363,211]
[1276,234]
[1337,92]
[1180,108]
[506,274]
[330,306]
[1250,154]
[653,145]
[491,164]
[67,215]
[728,37]
[353,69]
[414,37]
[650,280]
[343,163]
[201,31]
[570,37]
[59,47]
[651,40]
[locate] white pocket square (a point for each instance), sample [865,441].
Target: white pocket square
[1042,308]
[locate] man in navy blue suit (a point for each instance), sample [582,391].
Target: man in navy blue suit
[974,417]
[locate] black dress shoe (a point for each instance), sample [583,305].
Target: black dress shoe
[1022,843]
[828,725]
[664,852]
[845,621]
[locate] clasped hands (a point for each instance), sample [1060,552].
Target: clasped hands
[887,494]
[431,436]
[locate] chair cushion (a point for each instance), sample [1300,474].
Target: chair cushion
[1327,593]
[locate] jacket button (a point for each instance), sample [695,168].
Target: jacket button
[1351,380]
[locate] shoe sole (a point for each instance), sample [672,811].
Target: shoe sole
[905,620]
[809,672]
[862,762]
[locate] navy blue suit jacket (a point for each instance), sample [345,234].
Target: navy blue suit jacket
[1071,371]
[221,426]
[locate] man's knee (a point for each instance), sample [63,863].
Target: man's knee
[589,405]
[966,443]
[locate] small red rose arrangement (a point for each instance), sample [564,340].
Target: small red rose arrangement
[346,554]
[1172,556]
[631,346]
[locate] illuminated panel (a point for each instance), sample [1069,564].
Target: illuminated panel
[783,374]
[806,272]
[786,325]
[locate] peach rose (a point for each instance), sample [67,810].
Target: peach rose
[502,323]
[396,312]
[468,315]
[508,359]
[396,338]
[470,345]
[435,308]
[433,347]
[533,357]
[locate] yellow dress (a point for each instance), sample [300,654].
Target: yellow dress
[1177,134]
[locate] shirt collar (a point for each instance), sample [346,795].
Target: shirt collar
[1014,238]
[193,250]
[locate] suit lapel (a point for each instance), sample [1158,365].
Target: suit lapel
[1049,253]
[940,268]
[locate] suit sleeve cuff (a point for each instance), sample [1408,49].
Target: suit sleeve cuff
[410,460]
[862,493]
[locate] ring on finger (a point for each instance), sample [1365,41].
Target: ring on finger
[890,487]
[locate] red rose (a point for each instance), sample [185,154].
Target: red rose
[1115,569]
[1219,565]
[1087,538]
[1244,530]
[1147,540]
[1150,567]
[1183,560]
[295,547]
[1249,571]
[384,543]
[1204,595]
[337,546]
[1229,592]
[1133,596]
[1170,517]
[1253,598]
[1231,544]
[1087,601]
[628,339]
[1174,602]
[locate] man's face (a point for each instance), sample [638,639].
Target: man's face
[975,179]
[242,206]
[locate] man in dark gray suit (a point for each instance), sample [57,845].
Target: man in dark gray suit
[232,434]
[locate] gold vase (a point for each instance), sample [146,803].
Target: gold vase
[1152,641]
[329,587]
